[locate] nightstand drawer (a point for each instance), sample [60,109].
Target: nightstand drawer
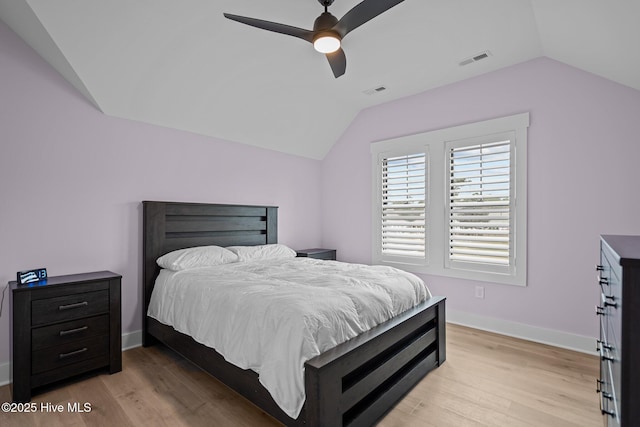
[69,353]
[69,307]
[75,330]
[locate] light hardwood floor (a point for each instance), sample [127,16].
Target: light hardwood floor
[487,380]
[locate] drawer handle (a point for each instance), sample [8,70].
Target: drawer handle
[602,355]
[602,344]
[610,304]
[603,280]
[599,267]
[599,310]
[73,331]
[70,306]
[605,395]
[604,411]
[599,383]
[610,413]
[72,353]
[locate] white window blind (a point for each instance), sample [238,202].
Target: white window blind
[481,204]
[403,222]
[453,202]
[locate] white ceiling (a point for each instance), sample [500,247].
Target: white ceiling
[181,64]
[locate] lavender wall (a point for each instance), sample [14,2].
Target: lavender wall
[81,196]
[72,179]
[584,171]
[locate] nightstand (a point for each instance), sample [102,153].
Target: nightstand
[318,253]
[64,326]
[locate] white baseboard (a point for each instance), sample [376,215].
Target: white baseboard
[552,337]
[129,340]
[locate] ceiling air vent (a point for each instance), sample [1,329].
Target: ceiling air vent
[475,58]
[374,90]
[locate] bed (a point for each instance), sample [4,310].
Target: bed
[352,384]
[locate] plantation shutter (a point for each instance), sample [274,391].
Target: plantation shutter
[481,204]
[403,219]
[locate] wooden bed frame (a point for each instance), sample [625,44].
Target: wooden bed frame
[352,384]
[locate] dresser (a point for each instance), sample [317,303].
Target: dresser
[619,343]
[64,326]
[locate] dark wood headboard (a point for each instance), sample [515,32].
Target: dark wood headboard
[168,226]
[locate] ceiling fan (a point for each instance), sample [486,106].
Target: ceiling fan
[328,31]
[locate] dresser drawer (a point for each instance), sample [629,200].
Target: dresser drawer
[75,330]
[68,307]
[608,401]
[66,354]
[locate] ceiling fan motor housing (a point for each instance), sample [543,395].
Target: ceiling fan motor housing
[325,21]
[323,27]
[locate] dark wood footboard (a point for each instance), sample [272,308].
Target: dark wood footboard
[357,382]
[352,384]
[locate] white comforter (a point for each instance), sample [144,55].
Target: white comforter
[272,316]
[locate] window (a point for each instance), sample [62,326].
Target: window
[453,201]
[403,207]
[480,204]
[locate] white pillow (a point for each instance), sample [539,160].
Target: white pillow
[200,256]
[251,253]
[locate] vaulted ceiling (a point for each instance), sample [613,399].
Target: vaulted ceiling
[181,64]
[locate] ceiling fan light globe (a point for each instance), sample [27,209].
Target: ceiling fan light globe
[326,43]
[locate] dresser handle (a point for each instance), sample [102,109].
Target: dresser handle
[72,353]
[73,331]
[599,310]
[604,411]
[602,397]
[602,344]
[69,306]
[603,280]
[602,356]
[599,267]
[610,304]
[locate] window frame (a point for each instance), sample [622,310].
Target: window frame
[435,145]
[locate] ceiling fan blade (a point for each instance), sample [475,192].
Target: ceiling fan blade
[338,62]
[361,13]
[273,26]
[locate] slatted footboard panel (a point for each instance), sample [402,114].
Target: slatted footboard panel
[357,382]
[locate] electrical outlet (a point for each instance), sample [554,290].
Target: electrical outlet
[480,292]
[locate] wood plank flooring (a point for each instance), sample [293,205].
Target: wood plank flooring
[487,380]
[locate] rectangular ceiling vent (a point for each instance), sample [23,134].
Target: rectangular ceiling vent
[475,58]
[374,90]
